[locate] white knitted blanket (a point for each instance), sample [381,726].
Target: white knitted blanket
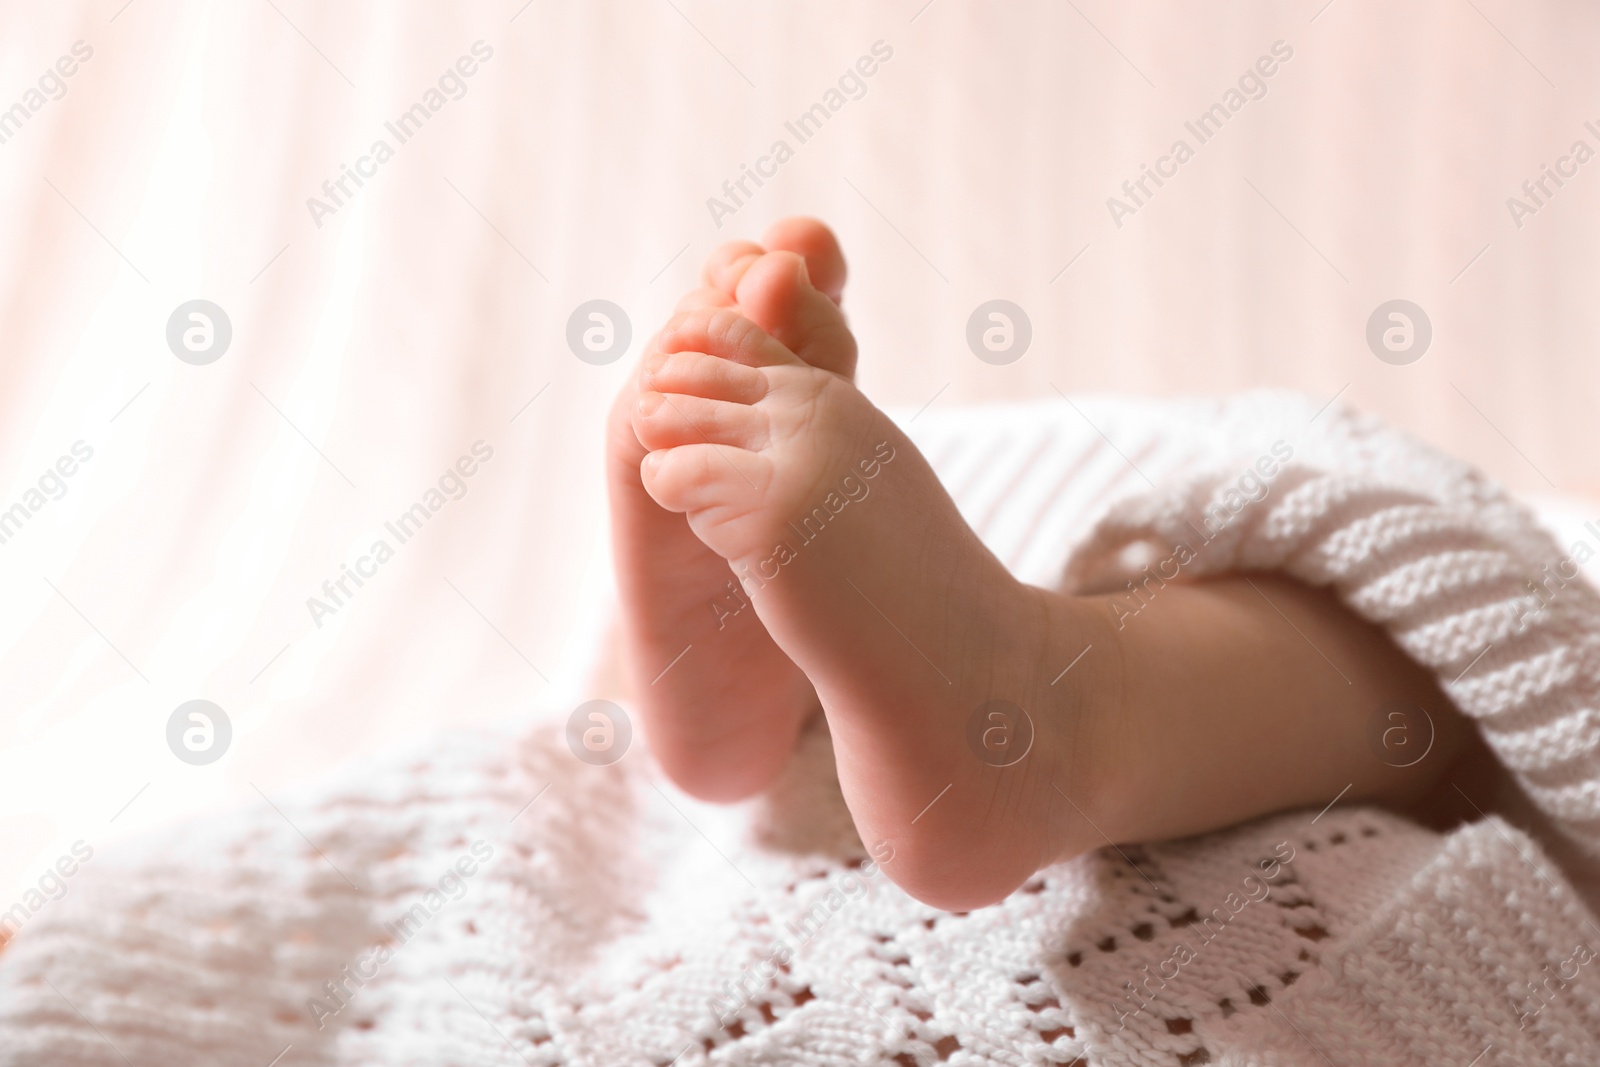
[490,899]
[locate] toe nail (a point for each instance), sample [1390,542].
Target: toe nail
[651,367]
[649,403]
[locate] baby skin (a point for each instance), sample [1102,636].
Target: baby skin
[1220,704]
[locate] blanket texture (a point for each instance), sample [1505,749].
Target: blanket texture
[491,899]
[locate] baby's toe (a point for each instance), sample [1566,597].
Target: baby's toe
[776,293]
[704,375]
[704,297]
[808,238]
[727,263]
[664,420]
[711,480]
[726,333]
[812,240]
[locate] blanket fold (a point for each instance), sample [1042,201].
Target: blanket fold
[490,899]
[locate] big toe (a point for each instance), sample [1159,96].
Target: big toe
[808,238]
[727,264]
[777,294]
[814,242]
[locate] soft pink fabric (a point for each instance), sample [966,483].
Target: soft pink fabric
[577,165]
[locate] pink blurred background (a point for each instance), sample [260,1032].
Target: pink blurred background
[371,351]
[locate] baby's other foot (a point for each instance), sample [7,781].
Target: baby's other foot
[721,702]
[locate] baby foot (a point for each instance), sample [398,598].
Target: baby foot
[721,702]
[863,572]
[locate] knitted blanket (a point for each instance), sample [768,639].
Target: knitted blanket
[491,899]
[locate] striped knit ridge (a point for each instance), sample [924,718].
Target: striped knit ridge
[1423,546]
[619,922]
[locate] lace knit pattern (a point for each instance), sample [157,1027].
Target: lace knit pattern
[489,899]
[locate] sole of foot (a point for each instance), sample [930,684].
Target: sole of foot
[918,642]
[721,703]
